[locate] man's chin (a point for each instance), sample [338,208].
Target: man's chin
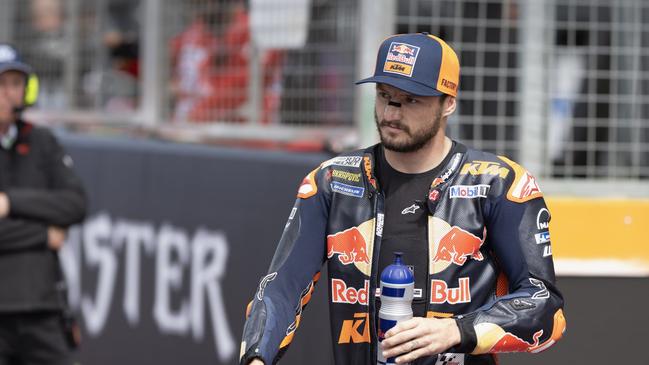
[391,144]
[397,147]
[401,146]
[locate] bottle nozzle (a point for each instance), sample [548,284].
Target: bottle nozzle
[397,258]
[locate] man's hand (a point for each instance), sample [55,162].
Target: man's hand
[56,237]
[256,362]
[4,205]
[419,337]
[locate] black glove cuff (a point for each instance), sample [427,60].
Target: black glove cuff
[468,338]
[251,355]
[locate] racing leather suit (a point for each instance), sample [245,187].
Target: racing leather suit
[489,261]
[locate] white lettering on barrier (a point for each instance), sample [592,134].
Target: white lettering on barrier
[132,235]
[99,254]
[169,275]
[205,256]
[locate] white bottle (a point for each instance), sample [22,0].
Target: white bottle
[397,285]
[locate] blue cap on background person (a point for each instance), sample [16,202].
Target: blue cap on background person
[10,60]
[418,63]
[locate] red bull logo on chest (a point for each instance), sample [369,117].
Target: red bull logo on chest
[353,246]
[457,246]
[341,293]
[441,293]
[349,245]
[401,59]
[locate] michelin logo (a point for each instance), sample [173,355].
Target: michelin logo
[468,191]
[345,189]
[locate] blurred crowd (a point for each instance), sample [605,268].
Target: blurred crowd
[88,55]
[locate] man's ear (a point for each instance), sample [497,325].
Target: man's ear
[450,104]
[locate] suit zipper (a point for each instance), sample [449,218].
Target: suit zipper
[374,279]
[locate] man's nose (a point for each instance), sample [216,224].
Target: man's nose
[392,111]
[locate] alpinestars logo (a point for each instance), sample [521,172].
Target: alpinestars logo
[411,209]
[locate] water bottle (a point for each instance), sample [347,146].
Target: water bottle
[397,285]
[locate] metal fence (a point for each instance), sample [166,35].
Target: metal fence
[561,85]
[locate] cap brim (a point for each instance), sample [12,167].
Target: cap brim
[409,86]
[15,66]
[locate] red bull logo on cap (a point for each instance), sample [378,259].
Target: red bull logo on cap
[457,246]
[401,59]
[403,49]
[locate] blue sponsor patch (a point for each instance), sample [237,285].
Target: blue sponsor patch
[355,191]
[468,191]
[542,237]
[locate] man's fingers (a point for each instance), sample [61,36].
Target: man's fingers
[412,355]
[400,338]
[414,346]
[402,326]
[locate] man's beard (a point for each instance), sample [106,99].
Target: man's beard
[416,141]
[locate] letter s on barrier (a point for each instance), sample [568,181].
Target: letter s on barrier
[102,257]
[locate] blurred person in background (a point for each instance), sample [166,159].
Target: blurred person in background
[48,49]
[472,225]
[119,82]
[210,66]
[40,196]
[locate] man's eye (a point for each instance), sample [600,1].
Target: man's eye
[384,95]
[411,101]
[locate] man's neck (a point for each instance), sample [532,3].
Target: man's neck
[422,160]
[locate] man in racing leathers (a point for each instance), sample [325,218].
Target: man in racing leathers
[474,227]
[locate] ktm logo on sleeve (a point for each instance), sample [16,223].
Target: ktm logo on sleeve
[484,168]
[355,330]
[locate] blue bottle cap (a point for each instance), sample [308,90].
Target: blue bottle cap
[397,273]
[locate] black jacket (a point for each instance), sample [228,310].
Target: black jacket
[43,191]
[489,261]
